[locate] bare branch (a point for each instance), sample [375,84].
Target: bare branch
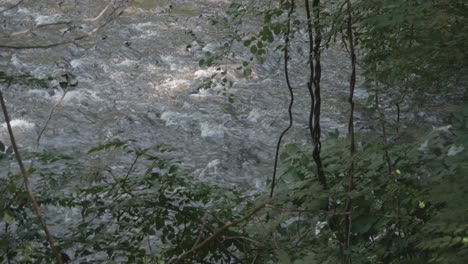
[100,14]
[315,212]
[51,113]
[111,17]
[70,22]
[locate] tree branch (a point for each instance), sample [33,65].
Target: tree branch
[218,233]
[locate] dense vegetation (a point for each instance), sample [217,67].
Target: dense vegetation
[394,193]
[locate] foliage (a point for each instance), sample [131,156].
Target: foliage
[418,217]
[416,48]
[410,50]
[142,213]
[24,79]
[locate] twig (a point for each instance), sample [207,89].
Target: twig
[7,251]
[242,238]
[51,113]
[255,258]
[27,184]
[11,7]
[291,210]
[131,167]
[151,249]
[202,229]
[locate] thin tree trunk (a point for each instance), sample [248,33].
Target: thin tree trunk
[291,95]
[314,86]
[27,184]
[346,259]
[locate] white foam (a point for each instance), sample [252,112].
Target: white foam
[47,19]
[38,93]
[213,164]
[168,59]
[173,118]
[23,10]
[204,73]
[175,85]
[141,26]
[211,47]
[76,63]
[202,93]
[79,96]
[23,130]
[454,150]
[173,63]
[128,63]
[15,61]
[442,128]
[211,130]
[20,124]
[254,115]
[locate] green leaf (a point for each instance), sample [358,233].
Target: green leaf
[422,204]
[254,49]
[277,29]
[247,72]
[7,218]
[113,144]
[267,35]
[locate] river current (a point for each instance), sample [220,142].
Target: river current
[139,78]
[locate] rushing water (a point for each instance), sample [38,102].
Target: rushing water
[139,78]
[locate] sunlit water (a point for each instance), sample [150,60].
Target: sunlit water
[139,80]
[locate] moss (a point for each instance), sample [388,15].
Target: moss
[189,10]
[150,4]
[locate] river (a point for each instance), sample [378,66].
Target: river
[139,78]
